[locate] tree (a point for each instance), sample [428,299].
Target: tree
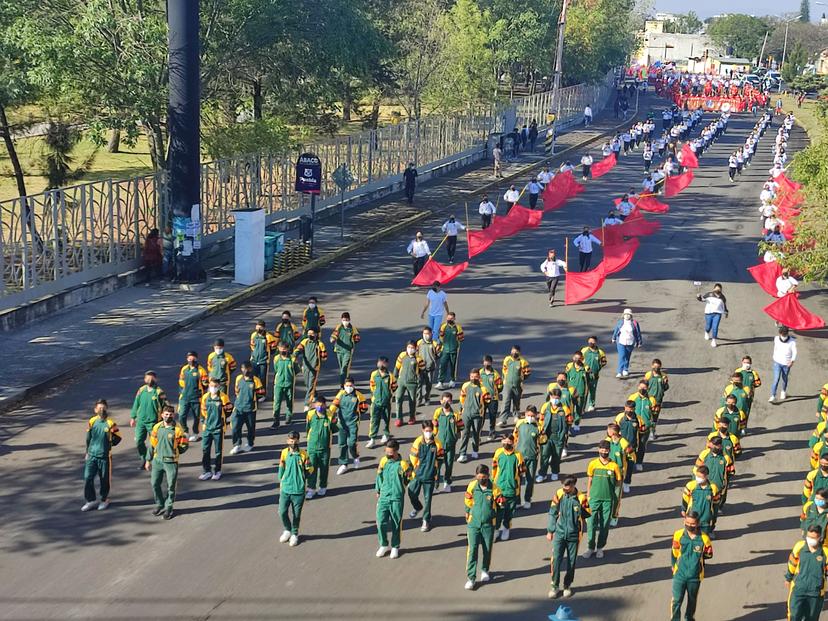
[741,33]
[811,37]
[688,23]
[805,11]
[58,143]
[795,62]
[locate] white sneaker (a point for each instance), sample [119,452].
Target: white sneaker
[706,335]
[89,506]
[439,386]
[381,551]
[424,528]
[370,443]
[356,463]
[462,459]
[469,586]
[235,450]
[413,513]
[322,491]
[553,477]
[564,453]
[246,447]
[309,494]
[193,438]
[639,467]
[205,475]
[591,408]
[588,553]
[294,541]
[474,455]
[626,488]
[576,428]
[567,593]
[383,439]
[553,593]
[484,576]
[539,479]
[527,504]
[504,534]
[216,476]
[625,373]
[614,522]
[446,487]
[451,384]
[599,553]
[771,399]
[104,505]
[713,343]
[395,553]
[285,537]
[496,535]
[618,375]
[783,395]
[342,469]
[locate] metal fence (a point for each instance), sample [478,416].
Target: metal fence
[57,239]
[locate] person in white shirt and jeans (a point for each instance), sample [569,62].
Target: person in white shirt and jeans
[586,164]
[419,251]
[584,243]
[784,355]
[487,210]
[436,303]
[450,228]
[587,115]
[552,268]
[715,306]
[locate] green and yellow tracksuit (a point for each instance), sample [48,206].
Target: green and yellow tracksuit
[313,319]
[623,454]
[720,468]
[382,387]
[221,367]
[806,574]
[743,401]
[731,445]
[493,383]
[818,434]
[507,469]
[577,376]
[390,485]
[554,432]
[482,505]
[704,500]
[822,398]
[451,335]
[101,435]
[249,391]
[146,412]
[736,419]
[604,479]
[750,381]
[344,345]
[429,352]
[687,556]
[192,382]
[644,407]
[347,409]
[294,469]
[814,480]
[447,425]
[214,412]
[568,514]
[527,443]
[594,361]
[286,333]
[812,516]
[284,382]
[310,354]
[473,400]
[407,369]
[657,386]
[262,347]
[425,459]
[514,372]
[817,449]
[320,427]
[631,432]
[167,444]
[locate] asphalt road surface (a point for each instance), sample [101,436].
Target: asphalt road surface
[219,557]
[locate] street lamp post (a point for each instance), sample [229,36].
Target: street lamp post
[785,49]
[556,87]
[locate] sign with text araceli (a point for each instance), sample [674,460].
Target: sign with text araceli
[308,174]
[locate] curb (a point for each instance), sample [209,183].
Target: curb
[19,397]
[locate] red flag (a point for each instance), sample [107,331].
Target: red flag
[652,204]
[789,200]
[572,186]
[635,214]
[766,274]
[610,235]
[479,241]
[688,158]
[516,220]
[618,256]
[639,227]
[581,286]
[789,312]
[788,184]
[675,184]
[553,198]
[604,166]
[434,271]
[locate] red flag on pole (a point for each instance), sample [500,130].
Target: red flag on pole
[516,220]
[675,184]
[434,271]
[788,184]
[688,158]
[581,286]
[618,256]
[604,166]
[569,182]
[610,235]
[639,227]
[479,241]
[766,274]
[789,312]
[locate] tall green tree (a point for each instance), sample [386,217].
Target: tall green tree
[599,37]
[742,33]
[805,11]
[686,23]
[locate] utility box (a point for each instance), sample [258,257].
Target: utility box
[249,245]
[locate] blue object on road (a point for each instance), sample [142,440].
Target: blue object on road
[564,613]
[274,244]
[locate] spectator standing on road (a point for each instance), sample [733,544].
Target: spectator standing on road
[584,243]
[626,336]
[715,306]
[450,229]
[419,251]
[784,355]
[410,180]
[101,435]
[487,210]
[436,303]
[552,268]
[511,197]
[587,115]
[497,159]
[586,163]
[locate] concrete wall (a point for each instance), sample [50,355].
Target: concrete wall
[667,46]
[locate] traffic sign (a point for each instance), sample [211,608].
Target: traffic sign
[308,174]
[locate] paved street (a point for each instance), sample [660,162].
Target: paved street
[219,558]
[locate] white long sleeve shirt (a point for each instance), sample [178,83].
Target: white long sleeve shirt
[784,285]
[584,242]
[784,352]
[552,269]
[452,228]
[487,208]
[511,196]
[419,248]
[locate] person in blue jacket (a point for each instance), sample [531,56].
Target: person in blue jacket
[626,336]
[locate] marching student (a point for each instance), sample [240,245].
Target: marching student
[294,469]
[482,501]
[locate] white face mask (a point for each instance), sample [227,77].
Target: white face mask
[346,323]
[812,541]
[426,336]
[746,366]
[700,480]
[311,305]
[213,390]
[410,351]
[530,419]
[427,435]
[219,351]
[349,389]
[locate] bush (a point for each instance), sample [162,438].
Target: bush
[264,137]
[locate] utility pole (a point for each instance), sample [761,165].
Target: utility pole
[184,165]
[762,53]
[556,87]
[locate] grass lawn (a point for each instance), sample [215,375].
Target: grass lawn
[807,116]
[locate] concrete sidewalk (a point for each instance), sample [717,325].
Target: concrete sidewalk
[56,350]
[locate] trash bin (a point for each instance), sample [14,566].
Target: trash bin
[274,244]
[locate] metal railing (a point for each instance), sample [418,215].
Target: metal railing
[60,238]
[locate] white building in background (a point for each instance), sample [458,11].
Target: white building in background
[657,45]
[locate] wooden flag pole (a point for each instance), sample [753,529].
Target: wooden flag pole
[566,253]
[468,230]
[431,256]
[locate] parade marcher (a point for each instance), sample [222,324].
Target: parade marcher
[784,356]
[736,389]
[568,513]
[644,406]
[284,384]
[805,578]
[534,189]
[731,446]
[482,501]
[527,442]
[701,496]
[815,512]
[491,380]
[510,197]
[507,470]
[451,228]
[167,443]
[419,251]
[630,428]
[473,400]
[320,425]
[623,454]
[586,165]
[146,412]
[221,366]
[750,381]
[657,385]
[448,423]
[577,376]
[425,457]
[428,350]
[344,338]
[594,359]
[715,307]
[690,548]
[816,478]
[603,477]
[102,435]
[348,405]
[393,475]
[215,409]
[309,354]
[408,367]
[410,181]
[720,467]
[436,304]
[451,337]
[555,419]
[583,243]
[286,332]
[383,384]
[731,414]
[487,210]
[515,371]
[249,390]
[313,318]
[192,382]
[627,336]
[294,470]
[552,268]
[262,346]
